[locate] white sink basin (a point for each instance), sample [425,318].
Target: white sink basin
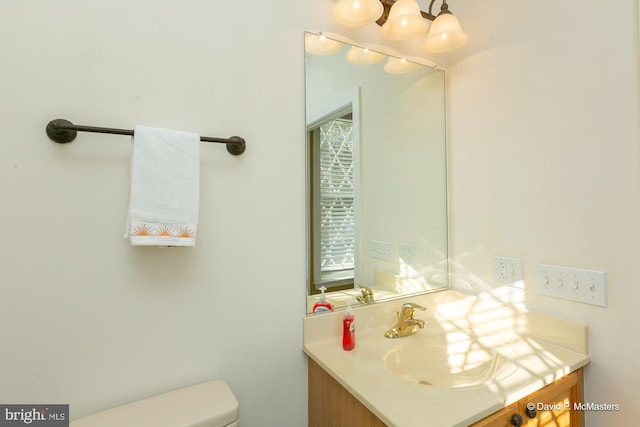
[445,360]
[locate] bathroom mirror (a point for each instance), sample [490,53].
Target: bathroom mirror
[376,175]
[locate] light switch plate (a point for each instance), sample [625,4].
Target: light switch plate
[575,284]
[382,250]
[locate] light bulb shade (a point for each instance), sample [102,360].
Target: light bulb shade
[399,66]
[355,13]
[320,45]
[405,21]
[445,35]
[360,56]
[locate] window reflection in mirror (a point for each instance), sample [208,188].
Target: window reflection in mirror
[332,198]
[392,190]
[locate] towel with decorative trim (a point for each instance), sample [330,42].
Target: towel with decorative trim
[165,178]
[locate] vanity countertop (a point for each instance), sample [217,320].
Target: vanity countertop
[547,348]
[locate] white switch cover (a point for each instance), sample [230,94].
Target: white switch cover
[407,253]
[575,284]
[382,250]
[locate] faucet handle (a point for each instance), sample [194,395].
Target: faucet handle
[408,308]
[413,305]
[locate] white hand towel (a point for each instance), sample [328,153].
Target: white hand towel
[165,177]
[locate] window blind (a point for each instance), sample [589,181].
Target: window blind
[337,227]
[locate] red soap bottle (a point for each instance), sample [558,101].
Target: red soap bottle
[348,329]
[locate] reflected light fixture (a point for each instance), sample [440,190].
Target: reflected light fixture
[403,20]
[320,45]
[363,56]
[399,66]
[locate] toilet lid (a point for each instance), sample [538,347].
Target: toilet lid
[208,404]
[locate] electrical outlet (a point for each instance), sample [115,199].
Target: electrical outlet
[382,250]
[407,253]
[575,284]
[509,271]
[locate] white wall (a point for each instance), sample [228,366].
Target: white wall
[545,165]
[86,318]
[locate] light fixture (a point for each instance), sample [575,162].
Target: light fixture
[355,13]
[403,20]
[445,33]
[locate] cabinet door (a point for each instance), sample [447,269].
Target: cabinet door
[553,404]
[502,418]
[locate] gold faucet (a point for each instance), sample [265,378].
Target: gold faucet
[367,296]
[406,324]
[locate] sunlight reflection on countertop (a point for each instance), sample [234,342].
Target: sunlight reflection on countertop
[545,348]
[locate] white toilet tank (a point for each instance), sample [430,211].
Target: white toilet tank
[209,404]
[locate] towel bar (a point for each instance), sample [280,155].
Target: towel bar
[63,131]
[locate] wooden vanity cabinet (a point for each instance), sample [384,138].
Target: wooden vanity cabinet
[330,404]
[553,406]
